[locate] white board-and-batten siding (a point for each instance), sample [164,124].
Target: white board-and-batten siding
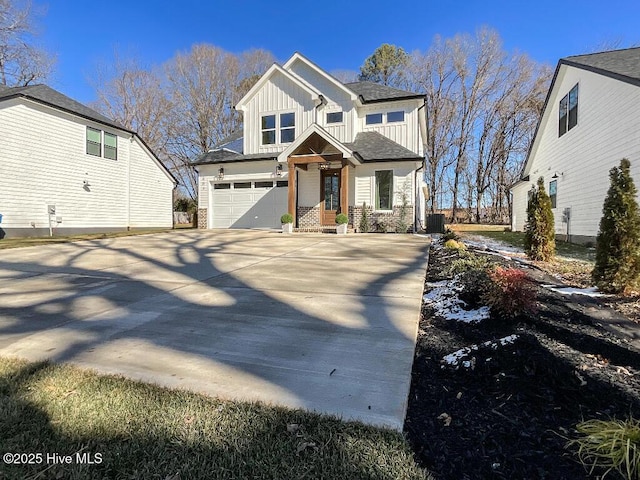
[608,130]
[278,95]
[406,133]
[43,161]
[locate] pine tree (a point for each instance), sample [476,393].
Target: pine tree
[617,267]
[540,237]
[365,224]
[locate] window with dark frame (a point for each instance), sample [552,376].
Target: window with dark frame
[287,127]
[282,183]
[110,146]
[393,117]
[268,184]
[553,192]
[568,111]
[94,141]
[221,186]
[384,190]
[239,185]
[268,125]
[334,117]
[373,118]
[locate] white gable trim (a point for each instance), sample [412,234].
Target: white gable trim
[241,105]
[299,57]
[315,128]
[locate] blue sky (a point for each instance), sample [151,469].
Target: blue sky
[333,34]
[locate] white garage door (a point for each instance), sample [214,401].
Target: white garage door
[247,204]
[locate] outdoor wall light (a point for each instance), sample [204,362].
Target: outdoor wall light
[557,174]
[221,173]
[279,170]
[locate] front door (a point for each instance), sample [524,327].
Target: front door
[330,196]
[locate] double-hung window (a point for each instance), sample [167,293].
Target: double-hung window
[568,111]
[94,142]
[110,146]
[384,190]
[278,128]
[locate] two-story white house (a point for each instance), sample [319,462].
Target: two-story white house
[65,169]
[589,123]
[315,147]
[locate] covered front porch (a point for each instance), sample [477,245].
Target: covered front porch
[319,177]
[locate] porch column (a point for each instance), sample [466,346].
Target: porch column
[291,198]
[344,189]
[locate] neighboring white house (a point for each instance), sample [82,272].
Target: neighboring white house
[315,147]
[66,167]
[590,122]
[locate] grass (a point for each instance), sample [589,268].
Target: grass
[145,431]
[563,249]
[610,445]
[34,241]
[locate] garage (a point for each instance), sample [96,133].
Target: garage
[247,203]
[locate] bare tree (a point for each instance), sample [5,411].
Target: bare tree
[21,62]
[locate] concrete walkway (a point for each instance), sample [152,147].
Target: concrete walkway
[321,322]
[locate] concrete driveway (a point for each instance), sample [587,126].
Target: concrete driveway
[321,322]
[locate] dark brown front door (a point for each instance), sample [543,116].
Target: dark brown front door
[330,196]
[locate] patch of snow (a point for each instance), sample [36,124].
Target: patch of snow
[485,243]
[443,297]
[461,357]
[589,292]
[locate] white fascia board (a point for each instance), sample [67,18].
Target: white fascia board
[315,128]
[275,68]
[298,56]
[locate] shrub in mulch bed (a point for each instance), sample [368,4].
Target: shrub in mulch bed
[507,411]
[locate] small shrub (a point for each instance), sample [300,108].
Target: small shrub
[342,219]
[510,293]
[402,224]
[469,262]
[365,223]
[611,445]
[286,218]
[454,245]
[449,235]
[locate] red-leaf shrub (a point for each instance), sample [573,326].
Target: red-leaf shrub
[511,292]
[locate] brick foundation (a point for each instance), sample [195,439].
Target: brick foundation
[202,218]
[308,217]
[381,221]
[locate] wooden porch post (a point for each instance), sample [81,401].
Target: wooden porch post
[291,198]
[344,189]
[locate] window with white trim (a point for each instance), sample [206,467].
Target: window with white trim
[268,129]
[287,127]
[94,142]
[110,146]
[384,190]
[334,117]
[393,117]
[373,118]
[278,128]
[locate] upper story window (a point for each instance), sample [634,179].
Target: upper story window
[287,127]
[110,146]
[268,129]
[373,118]
[395,116]
[94,142]
[95,139]
[285,123]
[568,112]
[334,117]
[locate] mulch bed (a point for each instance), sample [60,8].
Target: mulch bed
[511,415]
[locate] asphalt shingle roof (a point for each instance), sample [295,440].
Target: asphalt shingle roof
[374,92]
[624,63]
[373,146]
[49,96]
[233,142]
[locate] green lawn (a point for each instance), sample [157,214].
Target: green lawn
[143,431]
[564,249]
[33,241]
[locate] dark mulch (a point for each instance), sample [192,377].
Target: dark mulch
[512,414]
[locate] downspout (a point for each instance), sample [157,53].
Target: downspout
[424,131]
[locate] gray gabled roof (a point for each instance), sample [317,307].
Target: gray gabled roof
[49,96]
[620,64]
[371,92]
[373,146]
[227,156]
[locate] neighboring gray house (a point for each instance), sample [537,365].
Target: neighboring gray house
[590,122]
[65,168]
[315,147]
